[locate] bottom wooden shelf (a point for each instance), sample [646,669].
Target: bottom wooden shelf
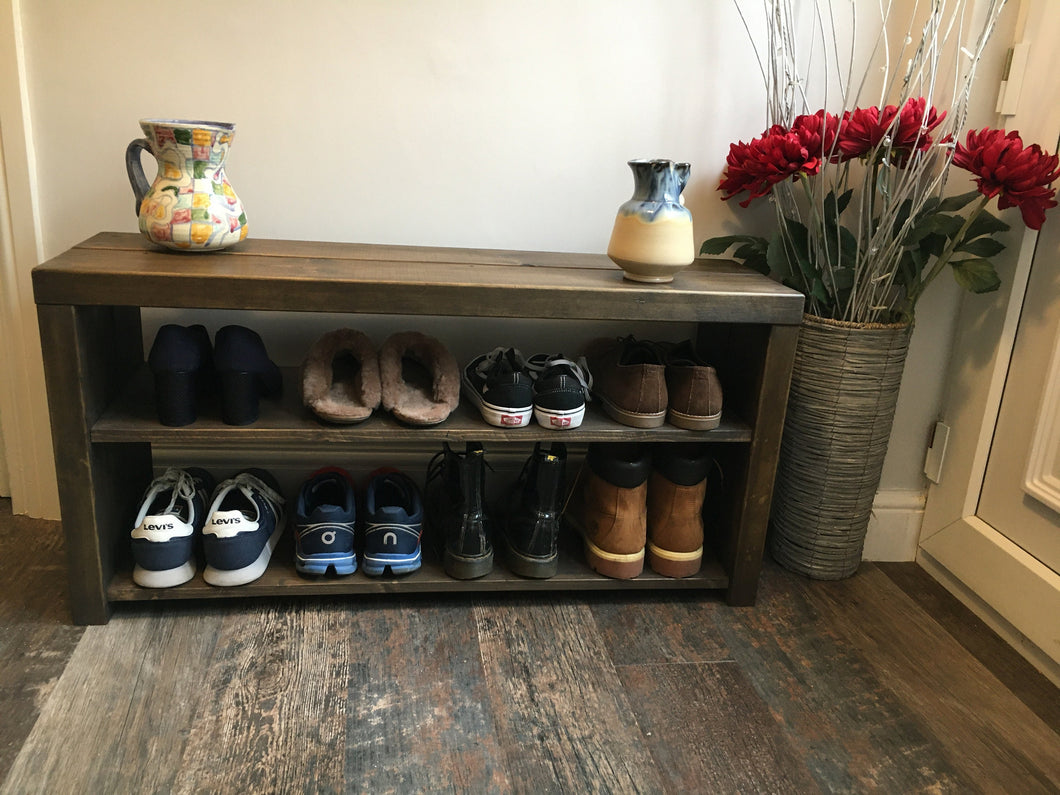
[281,579]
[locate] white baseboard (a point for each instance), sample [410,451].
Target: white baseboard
[894,528]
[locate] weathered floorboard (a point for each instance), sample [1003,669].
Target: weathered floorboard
[854,733]
[111,721]
[418,718]
[850,686]
[659,628]
[708,731]
[36,638]
[1024,680]
[274,716]
[559,708]
[996,740]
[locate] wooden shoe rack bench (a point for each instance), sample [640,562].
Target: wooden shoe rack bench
[104,424]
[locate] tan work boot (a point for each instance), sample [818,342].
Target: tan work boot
[676,489]
[609,508]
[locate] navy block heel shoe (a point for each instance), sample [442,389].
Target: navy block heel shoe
[182,365]
[245,373]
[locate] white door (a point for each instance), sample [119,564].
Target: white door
[991,530]
[1021,490]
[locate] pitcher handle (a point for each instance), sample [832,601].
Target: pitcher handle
[135,169]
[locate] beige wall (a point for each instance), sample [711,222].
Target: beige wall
[450,122]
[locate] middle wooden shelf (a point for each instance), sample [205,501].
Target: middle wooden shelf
[131,417]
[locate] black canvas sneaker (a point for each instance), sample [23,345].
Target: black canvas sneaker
[561,389]
[499,384]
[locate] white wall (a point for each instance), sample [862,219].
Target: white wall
[450,122]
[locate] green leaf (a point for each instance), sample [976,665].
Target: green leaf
[833,207]
[844,278]
[819,292]
[777,260]
[719,245]
[909,268]
[948,225]
[983,247]
[985,224]
[952,204]
[902,215]
[929,206]
[753,256]
[977,275]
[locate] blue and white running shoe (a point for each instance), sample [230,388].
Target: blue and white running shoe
[170,518]
[393,524]
[245,524]
[324,523]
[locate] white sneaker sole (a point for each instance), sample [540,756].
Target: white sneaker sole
[557,420]
[499,416]
[169,578]
[227,578]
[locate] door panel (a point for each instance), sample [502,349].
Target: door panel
[1025,416]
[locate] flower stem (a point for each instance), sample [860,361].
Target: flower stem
[947,253]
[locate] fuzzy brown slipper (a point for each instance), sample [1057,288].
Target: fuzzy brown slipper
[340,377]
[420,378]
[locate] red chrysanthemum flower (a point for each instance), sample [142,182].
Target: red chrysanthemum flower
[1019,176]
[818,134]
[780,153]
[864,129]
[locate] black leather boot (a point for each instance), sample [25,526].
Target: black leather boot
[531,529]
[456,511]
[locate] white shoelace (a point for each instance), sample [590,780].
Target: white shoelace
[180,484]
[490,360]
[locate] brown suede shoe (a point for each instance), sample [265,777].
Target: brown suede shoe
[676,490]
[609,508]
[693,388]
[629,377]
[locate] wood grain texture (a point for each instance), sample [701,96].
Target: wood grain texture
[876,695]
[36,638]
[419,717]
[273,715]
[960,703]
[659,628]
[1027,683]
[854,733]
[132,417]
[404,280]
[838,687]
[113,717]
[729,741]
[560,712]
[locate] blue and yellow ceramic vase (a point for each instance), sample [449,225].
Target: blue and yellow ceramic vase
[652,236]
[191,204]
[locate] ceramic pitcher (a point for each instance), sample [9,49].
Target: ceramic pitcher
[190,205]
[652,236]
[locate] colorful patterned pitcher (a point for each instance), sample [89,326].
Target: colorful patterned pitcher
[191,204]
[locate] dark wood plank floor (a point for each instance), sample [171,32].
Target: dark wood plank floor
[882,682]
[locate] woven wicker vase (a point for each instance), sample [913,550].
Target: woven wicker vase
[844,390]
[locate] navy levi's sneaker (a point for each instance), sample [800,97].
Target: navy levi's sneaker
[325,522]
[393,524]
[245,524]
[170,518]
